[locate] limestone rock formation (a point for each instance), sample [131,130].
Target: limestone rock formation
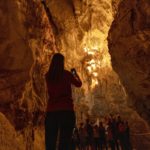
[8,136]
[82,28]
[27,42]
[31,32]
[129,46]
[16,56]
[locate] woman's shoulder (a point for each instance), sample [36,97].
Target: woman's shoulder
[67,72]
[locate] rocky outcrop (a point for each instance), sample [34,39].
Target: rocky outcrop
[79,30]
[9,139]
[83,25]
[129,46]
[16,57]
[27,43]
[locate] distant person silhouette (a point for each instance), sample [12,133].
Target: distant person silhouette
[60,116]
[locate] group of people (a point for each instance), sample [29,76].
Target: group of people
[113,133]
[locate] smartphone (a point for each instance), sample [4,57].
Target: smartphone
[73,71]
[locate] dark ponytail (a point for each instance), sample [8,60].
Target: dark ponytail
[56,69]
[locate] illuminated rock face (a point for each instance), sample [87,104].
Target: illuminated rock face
[15,54]
[26,43]
[8,136]
[81,30]
[129,46]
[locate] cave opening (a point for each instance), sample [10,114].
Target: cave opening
[107,41]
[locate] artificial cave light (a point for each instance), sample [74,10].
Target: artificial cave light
[94,83]
[95,74]
[95,46]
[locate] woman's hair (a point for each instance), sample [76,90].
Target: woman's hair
[56,69]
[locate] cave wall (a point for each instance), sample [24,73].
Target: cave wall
[81,25]
[15,54]
[28,40]
[78,22]
[27,43]
[8,136]
[129,46]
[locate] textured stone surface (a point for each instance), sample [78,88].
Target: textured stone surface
[85,24]
[129,46]
[27,42]
[140,130]
[9,139]
[15,54]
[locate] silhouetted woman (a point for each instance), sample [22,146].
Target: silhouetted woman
[60,117]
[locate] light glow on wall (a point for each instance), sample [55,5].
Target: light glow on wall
[95,46]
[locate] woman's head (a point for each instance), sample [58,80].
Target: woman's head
[56,68]
[58,60]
